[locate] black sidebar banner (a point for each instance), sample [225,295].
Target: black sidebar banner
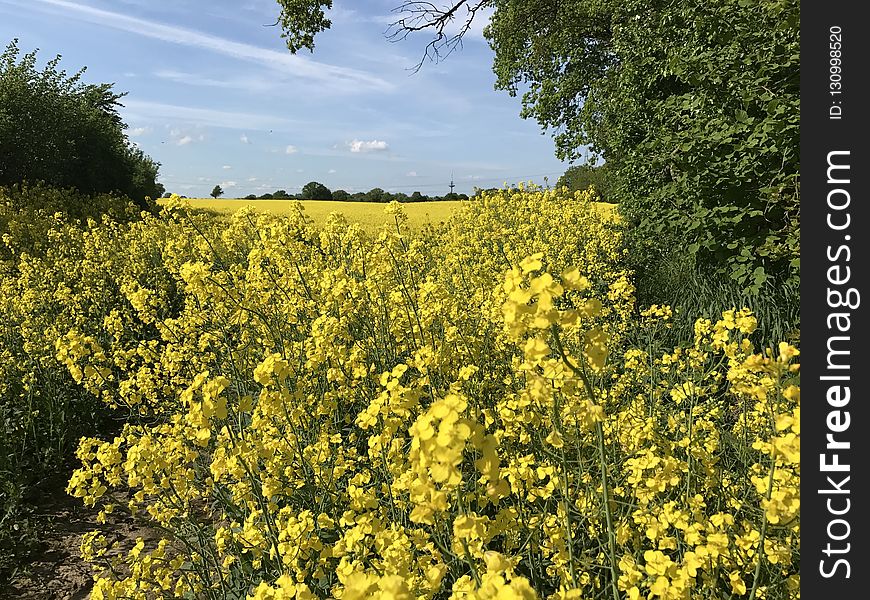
[835,231]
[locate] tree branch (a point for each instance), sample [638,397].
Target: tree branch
[417,16]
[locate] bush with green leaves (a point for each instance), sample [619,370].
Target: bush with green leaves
[56,129]
[695,105]
[579,178]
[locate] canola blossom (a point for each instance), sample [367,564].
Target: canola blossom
[474,410]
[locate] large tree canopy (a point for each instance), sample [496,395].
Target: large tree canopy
[56,129]
[694,105]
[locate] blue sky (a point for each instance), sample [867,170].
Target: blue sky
[216,98]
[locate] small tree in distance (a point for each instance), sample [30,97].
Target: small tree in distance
[217,191]
[314,190]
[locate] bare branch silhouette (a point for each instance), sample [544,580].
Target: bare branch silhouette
[416,16]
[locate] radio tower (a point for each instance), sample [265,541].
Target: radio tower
[452,185]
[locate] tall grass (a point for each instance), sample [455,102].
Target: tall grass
[692,294]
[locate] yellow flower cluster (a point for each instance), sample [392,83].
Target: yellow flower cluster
[457,413]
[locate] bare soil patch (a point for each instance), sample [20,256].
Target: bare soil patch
[56,570]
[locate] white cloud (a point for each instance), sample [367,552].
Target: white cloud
[252,179]
[343,78]
[367,146]
[227,167]
[137,131]
[184,141]
[332,171]
[244,139]
[411,174]
[291,149]
[299,171]
[228,184]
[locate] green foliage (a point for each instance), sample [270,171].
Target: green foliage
[217,191]
[694,104]
[301,20]
[579,178]
[340,195]
[314,190]
[693,294]
[56,129]
[376,195]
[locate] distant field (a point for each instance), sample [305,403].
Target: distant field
[369,214]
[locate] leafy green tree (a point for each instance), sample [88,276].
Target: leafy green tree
[314,190]
[340,195]
[301,20]
[58,130]
[375,195]
[581,177]
[695,105]
[217,191]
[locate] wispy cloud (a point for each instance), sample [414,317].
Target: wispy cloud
[244,139]
[140,109]
[336,78]
[248,83]
[332,171]
[367,146]
[227,167]
[184,141]
[291,149]
[411,174]
[139,131]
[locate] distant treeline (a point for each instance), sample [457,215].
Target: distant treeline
[373,195]
[576,178]
[318,191]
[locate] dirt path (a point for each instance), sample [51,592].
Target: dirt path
[56,571]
